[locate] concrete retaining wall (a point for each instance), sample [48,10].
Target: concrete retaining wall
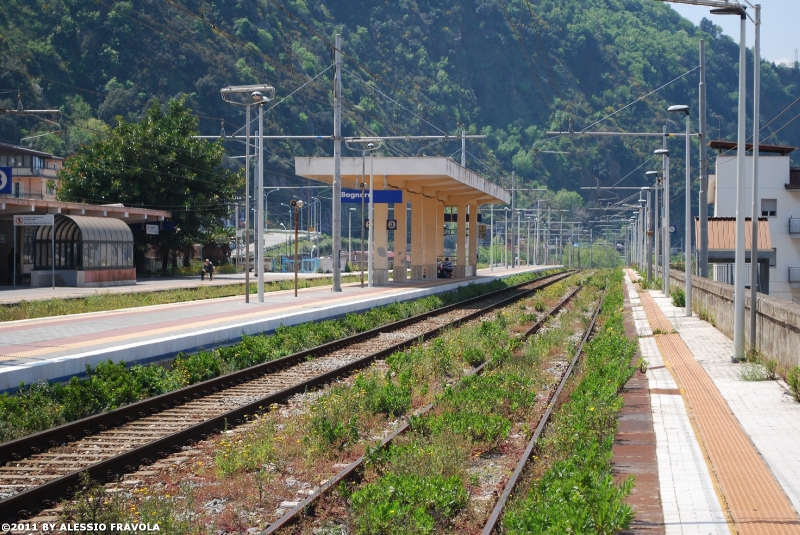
[777,320]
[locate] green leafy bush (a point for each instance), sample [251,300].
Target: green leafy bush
[678,298]
[407,504]
[793,379]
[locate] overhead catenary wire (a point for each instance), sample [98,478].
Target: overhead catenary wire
[640,99]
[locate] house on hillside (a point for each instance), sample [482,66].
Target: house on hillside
[778,201]
[34,173]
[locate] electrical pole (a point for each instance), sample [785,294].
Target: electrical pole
[336,231]
[741,150]
[756,139]
[702,247]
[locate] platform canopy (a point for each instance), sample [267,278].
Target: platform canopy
[441,178]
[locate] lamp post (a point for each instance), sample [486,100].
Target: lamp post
[297,205]
[266,208]
[724,7]
[687,239]
[648,223]
[653,175]
[371,233]
[665,222]
[265,92]
[505,242]
[754,195]
[491,238]
[286,235]
[350,235]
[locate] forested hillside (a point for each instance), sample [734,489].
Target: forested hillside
[508,68]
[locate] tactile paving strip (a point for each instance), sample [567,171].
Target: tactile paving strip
[755,500]
[658,321]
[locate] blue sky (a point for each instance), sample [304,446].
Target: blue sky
[780,26]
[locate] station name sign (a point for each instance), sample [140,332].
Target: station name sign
[382,196]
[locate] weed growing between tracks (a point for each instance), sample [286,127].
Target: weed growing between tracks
[434,478]
[292,447]
[40,406]
[573,490]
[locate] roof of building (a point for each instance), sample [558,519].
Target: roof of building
[25,150]
[722,233]
[794,179]
[16,206]
[92,229]
[731,145]
[437,177]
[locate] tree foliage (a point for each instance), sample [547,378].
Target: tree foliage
[155,163]
[511,69]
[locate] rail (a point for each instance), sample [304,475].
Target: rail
[44,496]
[294,514]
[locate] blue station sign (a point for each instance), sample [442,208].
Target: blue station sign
[382,196]
[5,180]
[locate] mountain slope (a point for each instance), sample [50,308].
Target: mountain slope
[509,68]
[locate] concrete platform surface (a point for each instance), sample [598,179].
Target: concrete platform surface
[10,295]
[728,448]
[52,349]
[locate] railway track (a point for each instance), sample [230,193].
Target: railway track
[41,469]
[296,513]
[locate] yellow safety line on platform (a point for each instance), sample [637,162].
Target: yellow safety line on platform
[755,501]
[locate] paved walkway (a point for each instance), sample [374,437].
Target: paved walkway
[60,347]
[726,447]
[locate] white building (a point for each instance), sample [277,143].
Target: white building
[778,200]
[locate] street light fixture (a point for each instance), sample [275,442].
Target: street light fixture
[259,94]
[286,240]
[371,216]
[726,7]
[687,240]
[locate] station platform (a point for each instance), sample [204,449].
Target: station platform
[56,348]
[727,450]
[10,295]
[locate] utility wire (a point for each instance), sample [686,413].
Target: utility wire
[363,67]
[393,100]
[640,99]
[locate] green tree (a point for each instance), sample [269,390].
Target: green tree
[155,163]
[568,200]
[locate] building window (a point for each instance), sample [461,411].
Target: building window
[27,244]
[769,207]
[774,260]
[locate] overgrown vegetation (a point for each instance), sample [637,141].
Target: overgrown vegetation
[102,302]
[40,406]
[678,298]
[429,483]
[470,417]
[793,380]
[577,493]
